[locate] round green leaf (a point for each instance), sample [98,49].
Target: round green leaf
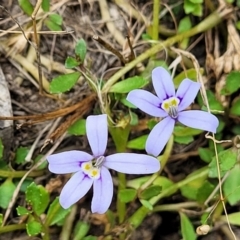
[138,143]
[33,228]
[127,195]
[150,192]
[235,109]
[78,128]
[81,49]
[232,83]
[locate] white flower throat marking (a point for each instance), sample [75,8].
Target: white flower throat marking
[170,105]
[92,168]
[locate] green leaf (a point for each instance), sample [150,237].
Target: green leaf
[45,5]
[138,143]
[129,84]
[81,229]
[227,160]
[22,211]
[52,25]
[198,10]
[188,6]
[133,118]
[235,109]
[214,104]
[232,83]
[1,148]
[184,25]
[190,190]
[190,73]
[6,192]
[182,131]
[231,186]
[78,128]
[56,213]
[196,1]
[81,49]
[33,228]
[150,192]
[56,18]
[26,6]
[1,218]
[184,139]
[64,83]
[187,229]
[125,102]
[205,154]
[146,204]
[204,191]
[38,197]
[233,218]
[21,154]
[71,62]
[127,195]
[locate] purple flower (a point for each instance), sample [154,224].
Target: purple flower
[93,169]
[170,105]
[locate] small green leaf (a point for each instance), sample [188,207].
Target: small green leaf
[33,228]
[22,211]
[205,154]
[214,104]
[146,204]
[184,139]
[204,191]
[198,10]
[45,5]
[56,18]
[1,218]
[56,213]
[190,73]
[1,149]
[182,131]
[187,230]
[233,218]
[138,143]
[235,109]
[81,49]
[188,6]
[64,83]
[6,192]
[150,192]
[127,195]
[133,118]
[26,6]
[21,154]
[231,186]
[232,83]
[128,85]
[78,128]
[227,160]
[190,190]
[125,102]
[81,229]
[196,1]
[184,25]
[71,62]
[52,25]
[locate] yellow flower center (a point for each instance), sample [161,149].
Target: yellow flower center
[93,168]
[170,105]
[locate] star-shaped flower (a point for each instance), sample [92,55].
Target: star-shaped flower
[93,169]
[169,106]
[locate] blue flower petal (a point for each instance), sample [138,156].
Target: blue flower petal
[76,187]
[102,192]
[97,133]
[132,163]
[67,162]
[162,83]
[187,92]
[199,120]
[159,136]
[147,102]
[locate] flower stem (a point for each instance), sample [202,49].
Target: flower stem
[12,227]
[155,25]
[136,219]
[20,174]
